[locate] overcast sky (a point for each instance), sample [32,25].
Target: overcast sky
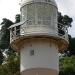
[68,7]
[9,8]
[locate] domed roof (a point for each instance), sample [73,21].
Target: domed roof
[23,2]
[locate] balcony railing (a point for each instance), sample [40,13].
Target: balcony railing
[15,30]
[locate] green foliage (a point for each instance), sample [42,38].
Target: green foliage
[67,66]
[65,21]
[4,37]
[11,63]
[17,18]
[5,34]
[72,46]
[1,57]
[60,17]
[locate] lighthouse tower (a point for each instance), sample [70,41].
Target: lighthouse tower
[38,38]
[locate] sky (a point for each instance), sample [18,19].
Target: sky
[67,7]
[9,8]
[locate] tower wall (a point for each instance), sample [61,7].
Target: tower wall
[39,56]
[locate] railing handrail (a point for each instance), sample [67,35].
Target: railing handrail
[17,24]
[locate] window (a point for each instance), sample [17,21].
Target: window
[24,13]
[31,14]
[44,14]
[32,52]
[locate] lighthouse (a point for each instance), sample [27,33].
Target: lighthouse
[37,38]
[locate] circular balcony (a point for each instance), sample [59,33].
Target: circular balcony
[21,33]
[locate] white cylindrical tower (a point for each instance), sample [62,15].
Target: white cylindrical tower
[37,38]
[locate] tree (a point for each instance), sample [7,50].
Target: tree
[11,65]
[1,57]
[17,18]
[4,37]
[63,23]
[5,34]
[11,62]
[64,20]
[71,47]
[67,66]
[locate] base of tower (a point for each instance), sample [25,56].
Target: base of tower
[40,71]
